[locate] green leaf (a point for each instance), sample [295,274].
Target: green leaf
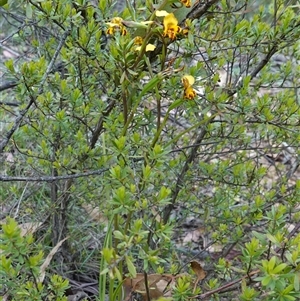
[175,104]
[9,64]
[266,280]
[146,172]
[297,282]
[107,254]
[104,271]
[271,263]
[118,235]
[279,268]
[28,11]
[5,263]
[131,267]
[164,193]
[11,229]
[117,274]
[272,238]
[151,84]
[3,2]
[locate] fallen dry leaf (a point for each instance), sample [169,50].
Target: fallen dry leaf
[192,236]
[158,285]
[77,297]
[95,213]
[199,271]
[29,228]
[26,228]
[48,260]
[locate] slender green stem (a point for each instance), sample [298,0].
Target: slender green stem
[158,132]
[130,117]
[116,227]
[157,94]
[125,104]
[158,107]
[153,82]
[103,264]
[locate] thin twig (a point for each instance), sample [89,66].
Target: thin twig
[13,33]
[57,51]
[99,126]
[10,104]
[180,178]
[7,85]
[19,201]
[223,287]
[146,285]
[258,68]
[9,50]
[52,178]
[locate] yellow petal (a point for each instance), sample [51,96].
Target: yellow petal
[110,31]
[185,83]
[170,20]
[117,20]
[147,22]
[150,47]
[132,24]
[110,24]
[123,31]
[189,78]
[161,13]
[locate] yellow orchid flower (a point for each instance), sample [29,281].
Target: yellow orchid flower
[116,25]
[139,41]
[189,92]
[171,28]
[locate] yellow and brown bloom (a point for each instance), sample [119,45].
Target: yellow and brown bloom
[116,25]
[171,28]
[138,41]
[189,92]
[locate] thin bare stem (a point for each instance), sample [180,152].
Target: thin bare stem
[52,178]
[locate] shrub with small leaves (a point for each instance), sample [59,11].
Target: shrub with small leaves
[151,113]
[20,268]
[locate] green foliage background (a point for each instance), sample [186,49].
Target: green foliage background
[95,123]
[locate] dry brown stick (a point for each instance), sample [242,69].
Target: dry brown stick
[180,178]
[199,11]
